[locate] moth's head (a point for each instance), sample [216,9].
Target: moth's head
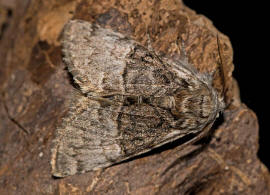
[216,97]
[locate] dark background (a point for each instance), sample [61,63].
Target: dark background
[246,26]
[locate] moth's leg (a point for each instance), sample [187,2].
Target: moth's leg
[149,43]
[183,59]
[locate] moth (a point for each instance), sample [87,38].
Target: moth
[130,100]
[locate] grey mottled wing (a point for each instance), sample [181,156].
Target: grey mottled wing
[132,101]
[86,138]
[96,134]
[105,62]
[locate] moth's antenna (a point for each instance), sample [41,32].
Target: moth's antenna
[220,52]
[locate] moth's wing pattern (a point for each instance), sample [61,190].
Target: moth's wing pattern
[129,102]
[86,139]
[94,56]
[95,134]
[103,62]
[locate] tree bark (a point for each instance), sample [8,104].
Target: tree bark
[35,86]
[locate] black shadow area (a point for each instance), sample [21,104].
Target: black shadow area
[246,24]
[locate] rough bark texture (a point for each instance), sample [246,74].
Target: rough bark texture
[34,86]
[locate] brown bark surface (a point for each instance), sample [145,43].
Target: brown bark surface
[35,85]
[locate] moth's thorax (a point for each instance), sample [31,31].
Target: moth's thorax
[198,103]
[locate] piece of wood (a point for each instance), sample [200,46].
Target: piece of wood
[35,86]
